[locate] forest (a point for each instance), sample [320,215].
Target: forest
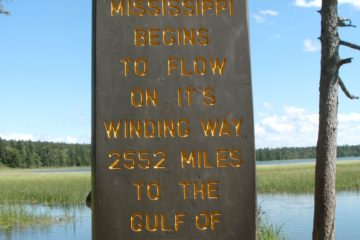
[286,153]
[29,154]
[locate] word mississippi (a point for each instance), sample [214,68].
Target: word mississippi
[174,8]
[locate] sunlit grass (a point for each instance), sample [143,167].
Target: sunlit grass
[299,178]
[26,186]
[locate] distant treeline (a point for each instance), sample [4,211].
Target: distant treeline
[28,154]
[267,154]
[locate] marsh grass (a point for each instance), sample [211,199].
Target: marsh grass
[18,188]
[266,230]
[26,186]
[21,216]
[299,178]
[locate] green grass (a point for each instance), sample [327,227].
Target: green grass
[21,216]
[267,231]
[299,178]
[25,186]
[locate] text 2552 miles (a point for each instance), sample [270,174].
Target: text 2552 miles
[140,159]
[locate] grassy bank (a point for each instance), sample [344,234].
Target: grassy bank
[299,178]
[27,186]
[51,187]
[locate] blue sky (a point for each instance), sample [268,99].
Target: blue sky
[45,66]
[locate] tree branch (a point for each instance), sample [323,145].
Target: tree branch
[350,45]
[345,61]
[344,89]
[6,13]
[345,22]
[3,10]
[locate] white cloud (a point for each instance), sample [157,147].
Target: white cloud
[258,18]
[355,3]
[277,124]
[261,16]
[17,136]
[317,3]
[297,127]
[67,139]
[294,111]
[269,12]
[71,140]
[294,127]
[274,37]
[345,118]
[306,3]
[311,45]
[30,137]
[268,105]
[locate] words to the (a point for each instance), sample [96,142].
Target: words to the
[152,189]
[203,190]
[140,66]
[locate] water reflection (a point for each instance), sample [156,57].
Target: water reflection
[294,214]
[76,228]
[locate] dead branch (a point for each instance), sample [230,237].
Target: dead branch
[345,61]
[3,11]
[345,22]
[350,45]
[344,89]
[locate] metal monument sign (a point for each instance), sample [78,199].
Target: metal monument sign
[173,141]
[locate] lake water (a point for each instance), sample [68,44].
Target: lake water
[78,228]
[293,213]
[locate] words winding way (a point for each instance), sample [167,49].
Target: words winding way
[173,138]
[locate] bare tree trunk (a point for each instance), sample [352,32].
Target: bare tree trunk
[325,193]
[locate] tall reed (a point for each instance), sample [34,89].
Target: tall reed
[299,178]
[25,186]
